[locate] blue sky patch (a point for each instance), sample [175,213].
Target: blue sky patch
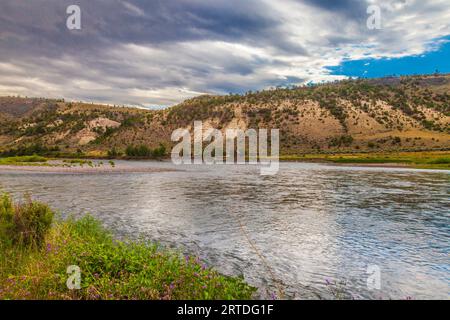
[426,63]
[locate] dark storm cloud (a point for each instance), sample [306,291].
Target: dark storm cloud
[149,22]
[350,8]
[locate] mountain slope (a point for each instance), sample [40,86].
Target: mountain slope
[409,113]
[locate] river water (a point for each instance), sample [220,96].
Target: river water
[288,234]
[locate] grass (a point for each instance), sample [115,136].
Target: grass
[425,160]
[110,269]
[369,160]
[80,162]
[23,160]
[36,160]
[421,160]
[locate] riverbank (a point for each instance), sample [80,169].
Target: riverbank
[420,160]
[79,170]
[40,164]
[439,160]
[38,253]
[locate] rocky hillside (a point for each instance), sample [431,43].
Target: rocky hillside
[411,113]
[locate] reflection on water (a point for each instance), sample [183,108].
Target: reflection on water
[310,222]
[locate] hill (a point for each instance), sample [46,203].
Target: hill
[388,114]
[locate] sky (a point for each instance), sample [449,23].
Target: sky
[157,53]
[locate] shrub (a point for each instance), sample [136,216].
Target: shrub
[29,150]
[396,140]
[113,153]
[160,151]
[24,223]
[6,217]
[142,151]
[138,151]
[345,140]
[132,121]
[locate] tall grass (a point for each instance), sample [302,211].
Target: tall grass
[110,269]
[24,224]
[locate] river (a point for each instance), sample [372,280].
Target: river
[288,234]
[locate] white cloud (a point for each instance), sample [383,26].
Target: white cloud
[135,10]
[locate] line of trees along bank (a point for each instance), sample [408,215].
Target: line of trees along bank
[143,151]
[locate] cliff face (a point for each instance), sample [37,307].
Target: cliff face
[381,114]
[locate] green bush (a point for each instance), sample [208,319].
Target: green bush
[113,152]
[142,151]
[138,151]
[30,150]
[25,223]
[160,151]
[6,218]
[345,140]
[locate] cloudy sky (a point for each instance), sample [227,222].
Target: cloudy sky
[159,52]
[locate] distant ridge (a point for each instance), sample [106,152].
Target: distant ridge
[406,113]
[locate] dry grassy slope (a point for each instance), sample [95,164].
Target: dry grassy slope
[382,114]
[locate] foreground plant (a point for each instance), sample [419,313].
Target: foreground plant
[110,269]
[24,224]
